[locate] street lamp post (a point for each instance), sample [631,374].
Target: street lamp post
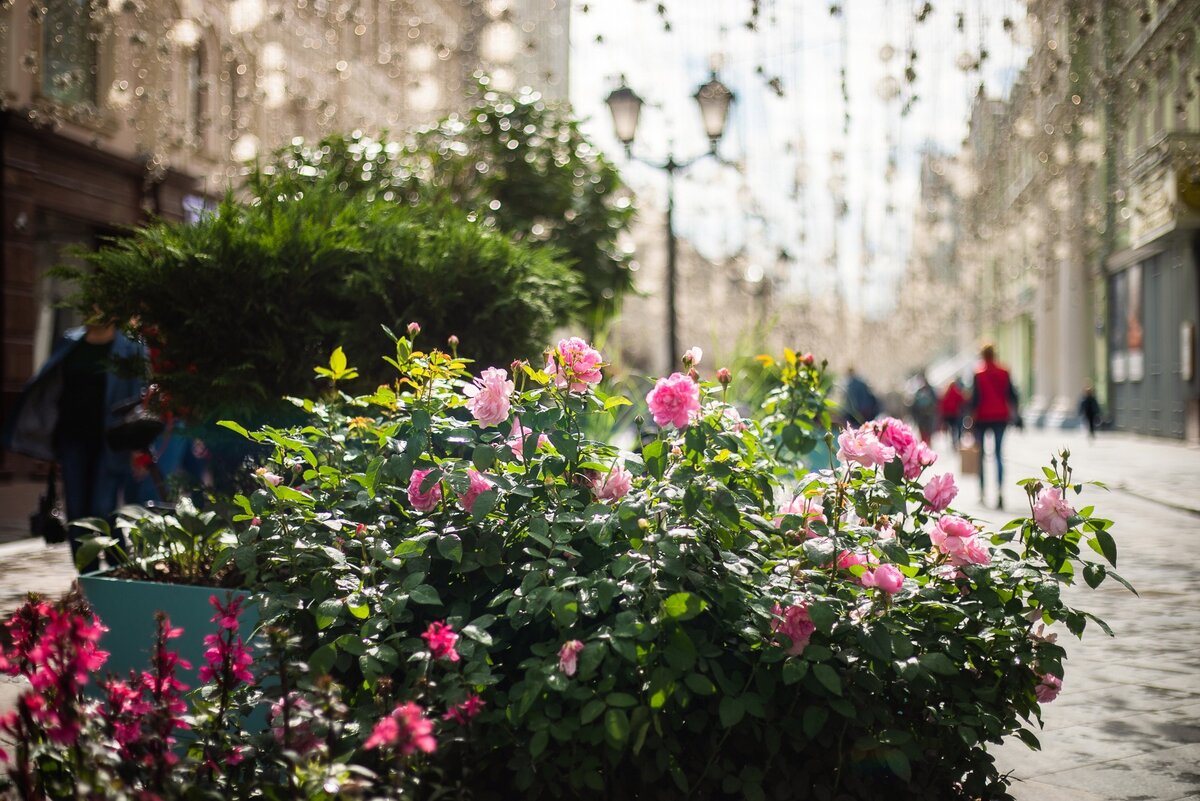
[714,99]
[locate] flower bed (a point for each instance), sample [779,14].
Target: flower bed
[467,596]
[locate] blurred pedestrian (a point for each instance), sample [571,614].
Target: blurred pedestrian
[924,408]
[952,404]
[993,404]
[64,411]
[1089,409]
[861,404]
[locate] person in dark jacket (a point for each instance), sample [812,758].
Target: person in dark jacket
[861,404]
[1089,409]
[64,411]
[993,404]
[951,405]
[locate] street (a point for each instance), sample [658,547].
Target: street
[1127,723]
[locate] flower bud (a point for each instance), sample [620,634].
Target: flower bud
[414,329]
[692,356]
[808,358]
[692,374]
[639,421]
[724,376]
[452,341]
[643,524]
[516,366]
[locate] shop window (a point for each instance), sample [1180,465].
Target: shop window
[68,52]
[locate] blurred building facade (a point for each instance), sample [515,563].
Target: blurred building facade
[114,111]
[1079,235]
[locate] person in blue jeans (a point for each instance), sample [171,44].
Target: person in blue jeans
[64,411]
[993,404]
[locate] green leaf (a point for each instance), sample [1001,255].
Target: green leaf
[537,744]
[897,762]
[613,401]
[828,677]
[592,710]
[1094,574]
[814,720]
[1108,546]
[484,504]
[337,360]
[794,670]
[232,426]
[621,700]
[938,663]
[823,616]
[450,547]
[477,634]
[700,684]
[616,727]
[483,457]
[731,711]
[322,659]
[683,606]
[360,611]
[424,594]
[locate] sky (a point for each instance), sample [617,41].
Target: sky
[788,142]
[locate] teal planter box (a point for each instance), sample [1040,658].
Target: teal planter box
[128,607]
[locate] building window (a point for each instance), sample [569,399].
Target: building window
[68,52]
[197,93]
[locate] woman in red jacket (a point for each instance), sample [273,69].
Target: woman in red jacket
[993,404]
[952,404]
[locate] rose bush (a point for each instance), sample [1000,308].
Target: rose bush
[469,598]
[693,620]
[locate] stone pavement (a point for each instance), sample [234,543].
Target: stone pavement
[1127,724]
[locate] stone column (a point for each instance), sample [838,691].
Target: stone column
[1045,332]
[1072,303]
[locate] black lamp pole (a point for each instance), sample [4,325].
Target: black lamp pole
[714,99]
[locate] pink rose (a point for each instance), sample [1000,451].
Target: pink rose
[574,364]
[489,396]
[892,432]
[692,356]
[268,476]
[423,501]
[794,623]
[516,439]
[848,559]
[406,728]
[958,540]
[915,458]
[810,510]
[886,577]
[1051,512]
[479,485]
[1048,688]
[614,485]
[940,491]
[863,447]
[568,657]
[673,400]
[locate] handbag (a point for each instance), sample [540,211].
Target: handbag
[49,521]
[136,429]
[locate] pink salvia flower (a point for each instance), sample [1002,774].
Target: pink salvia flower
[489,396]
[462,713]
[441,639]
[568,657]
[940,491]
[861,446]
[673,400]
[479,485]
[406,728]
[612,486]
[1052,512]
[795,624]
[423,500]
[574,365]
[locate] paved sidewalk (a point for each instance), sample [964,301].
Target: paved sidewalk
[1127,723]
